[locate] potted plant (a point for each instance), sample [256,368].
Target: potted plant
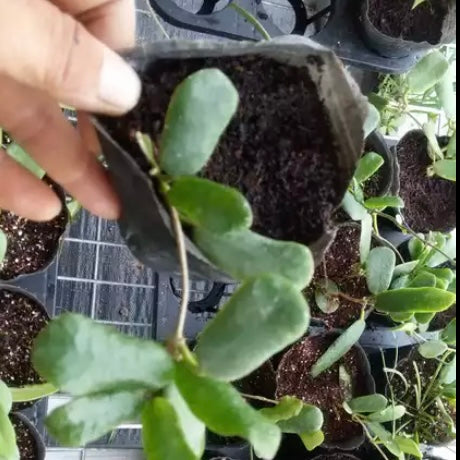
[244,156]
[167,386]
[27,247]
[407,27]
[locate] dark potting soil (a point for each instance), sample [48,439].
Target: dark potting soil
[278,150]
[341,264]
[25,440]
[430,202]
[373,186]
[442,320]
[398,19]
[261,382]
[31,245]
[325,392]
[431,433]
[21,319]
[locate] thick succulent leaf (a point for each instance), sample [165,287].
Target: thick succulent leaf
[415,300]
[32,392]
[409,446]
[339,348]
[354,209]
[76,355]
[386,438]
[428,72]
[25,160]
[8,448]
[225,412]
[262,318]
[416,247]
[449,335]
[380,266]
[405,269]
[367,404]
[442,273]
[311,441]
[210,205]
[383,202]
[423,280]
[87,418]
[446,94]
[452,147]
[162,434]
[193,430]
[402,317]
[3,246]
[447,169]
[199,112]
[287,407]
[424,318]
[6,399]
[388,415]
[401,282]
[368,165]
[432,349]
[244,254]
[365,239]
[372,121]
[449,372]
[325,296]
[450,249]
[309,420]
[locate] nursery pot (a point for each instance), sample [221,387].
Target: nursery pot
[294,379]
[409,28]
[23,335]
[30,436]
[430,202]
[145,223]
[336,456]
[32,241]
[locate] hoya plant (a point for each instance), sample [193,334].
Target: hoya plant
[174,391]
[8,396]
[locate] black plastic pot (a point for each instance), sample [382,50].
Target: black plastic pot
[40,445]
[53,256]
[370,388]
[392,47]
[336,456]
[145,224]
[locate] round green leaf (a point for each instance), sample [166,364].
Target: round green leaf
[76,355]
[405,269]
[311,441]
[379,269]
[309,420]
[162,434]
[6,400]
[415,300]
[446,169]
[428,72]
[449,335]
[442,273]
[365,239]
[401,282]
[199,112]
[324,296]
[354,209]
[367,404]
[409,446]
[3,247]
[87,418]
[209,205]
[225,412]
[383,202]
[368,165]
[287,407]
[423,280]
[416,248]
[432,349]
[262,318]
[339,348]
[388,415]
[244,254]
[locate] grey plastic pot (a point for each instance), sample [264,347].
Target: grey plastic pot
[39,444]
[369,384]
[392,47]
[145,223]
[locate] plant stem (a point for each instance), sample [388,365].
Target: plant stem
[182,251]
[371,439]
[157,20]
[415,235]
[259,398]
[350,299]
[252,20]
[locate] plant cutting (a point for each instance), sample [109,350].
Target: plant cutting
[167,386]
[400,30]
[289,201]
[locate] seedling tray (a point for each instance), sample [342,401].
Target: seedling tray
[341,34]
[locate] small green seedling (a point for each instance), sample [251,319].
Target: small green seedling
[166,386]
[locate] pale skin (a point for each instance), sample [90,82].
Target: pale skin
[60,51]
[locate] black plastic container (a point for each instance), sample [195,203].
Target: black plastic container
[145,223]
[392,47]
[39,444]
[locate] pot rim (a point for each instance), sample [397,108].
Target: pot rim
[40,444]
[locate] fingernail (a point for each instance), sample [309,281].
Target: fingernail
[119,85]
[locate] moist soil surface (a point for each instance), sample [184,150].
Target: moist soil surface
[341,264]
[261,382]
[325,392]
[398,19]
[31,245]
[25,440]
[278,150]
[431,433]
[21,319]
[430,202]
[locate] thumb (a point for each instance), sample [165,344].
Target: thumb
[49,50]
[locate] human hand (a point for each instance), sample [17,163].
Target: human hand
[58,51]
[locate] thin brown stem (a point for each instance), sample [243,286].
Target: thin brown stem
[182,251]
[259,398]
[342,295]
